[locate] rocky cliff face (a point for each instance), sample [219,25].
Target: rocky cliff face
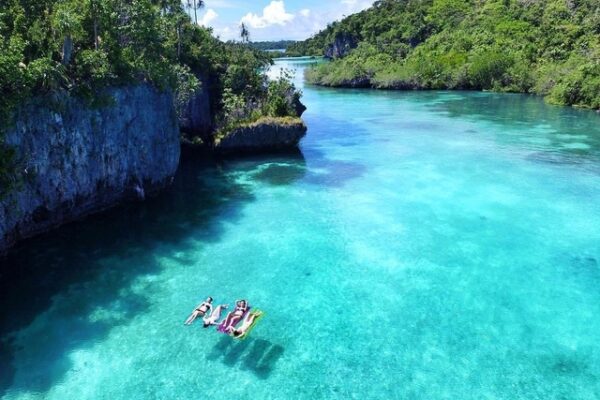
[195,117]
[266,134]
[341,46]
[75,159]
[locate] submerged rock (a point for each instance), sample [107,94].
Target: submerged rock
[266,134]
[77,159]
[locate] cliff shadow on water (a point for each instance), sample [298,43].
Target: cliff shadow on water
[206,195]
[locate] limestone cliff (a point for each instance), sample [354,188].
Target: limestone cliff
[195,116]
[75,159]
[266,134]
[342,44]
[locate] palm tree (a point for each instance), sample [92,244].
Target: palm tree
[195,5]
[94,10]
[244,33]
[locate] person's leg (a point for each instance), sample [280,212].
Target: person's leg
[247,320]
[230,321]
[192,317]
[227,320]
[250,320]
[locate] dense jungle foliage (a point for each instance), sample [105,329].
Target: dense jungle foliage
[272,45]
[83,46]
[546,47]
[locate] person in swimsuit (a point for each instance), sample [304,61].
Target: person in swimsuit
[241,306]
[214,316]
[248,321]
[200,311]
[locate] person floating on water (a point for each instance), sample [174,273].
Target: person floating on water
[232,318]
[201,310]
[214,316]
[251,318]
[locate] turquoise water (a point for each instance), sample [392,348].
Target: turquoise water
[421,245]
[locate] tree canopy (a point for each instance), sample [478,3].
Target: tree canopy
[547,47]
[83,46]
[272,45]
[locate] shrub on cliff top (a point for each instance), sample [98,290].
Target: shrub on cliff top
[282,97]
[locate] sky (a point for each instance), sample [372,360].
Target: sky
[275,19]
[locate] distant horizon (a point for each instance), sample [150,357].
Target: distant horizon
[273,20]
[277,40]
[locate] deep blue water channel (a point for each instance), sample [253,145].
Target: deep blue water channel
[420,245]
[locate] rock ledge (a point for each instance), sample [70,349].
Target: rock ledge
[265,134]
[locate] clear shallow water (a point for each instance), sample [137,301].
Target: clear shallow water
[420,246]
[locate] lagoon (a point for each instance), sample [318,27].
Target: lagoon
[419,245]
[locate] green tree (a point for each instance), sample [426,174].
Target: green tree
[66,22]
[549,47]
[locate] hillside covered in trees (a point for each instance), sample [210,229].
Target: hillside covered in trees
[81,47]
[272,45]
[547,47]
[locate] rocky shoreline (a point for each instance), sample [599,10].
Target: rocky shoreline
[74,159]
[265,134]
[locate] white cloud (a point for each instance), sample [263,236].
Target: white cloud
[353,6]
[273,14]
[208,17]
[220,4]
[298,25]
[225,32]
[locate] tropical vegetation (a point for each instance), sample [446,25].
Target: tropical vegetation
[547,47]
[84,46]
[272,45]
